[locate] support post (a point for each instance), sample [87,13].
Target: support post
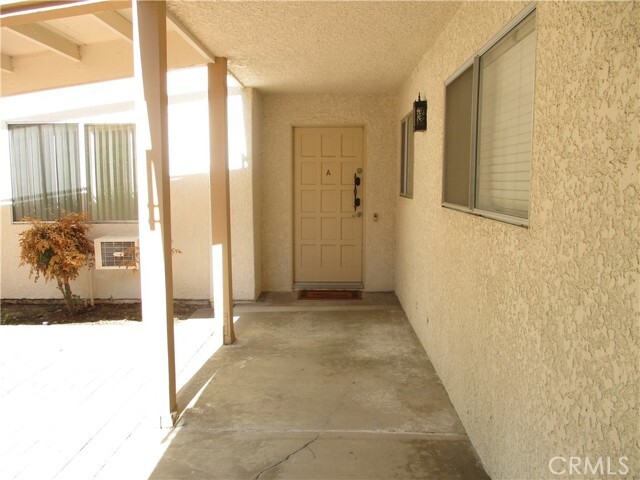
[220,205]
[154,203]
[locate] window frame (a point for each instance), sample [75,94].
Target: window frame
[474,63]
[406,156]
[81,135]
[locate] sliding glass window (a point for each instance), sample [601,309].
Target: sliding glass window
[489,128]
[52,174]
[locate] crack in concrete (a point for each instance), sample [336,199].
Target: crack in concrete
[306,445]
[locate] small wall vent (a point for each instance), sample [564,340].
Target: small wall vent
[115,252]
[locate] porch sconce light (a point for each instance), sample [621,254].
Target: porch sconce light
[419,115]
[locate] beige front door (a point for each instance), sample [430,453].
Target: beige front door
[328,226]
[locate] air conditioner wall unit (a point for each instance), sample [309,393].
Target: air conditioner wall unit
[115,252]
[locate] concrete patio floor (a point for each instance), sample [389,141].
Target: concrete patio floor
[74,398]
[319,390]
[311,389]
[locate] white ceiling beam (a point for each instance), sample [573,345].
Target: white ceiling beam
[190,38]
[116,23]
[7,63]
[12,15]
[49,40]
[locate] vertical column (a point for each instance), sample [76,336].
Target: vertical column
[220,205]
[154,203]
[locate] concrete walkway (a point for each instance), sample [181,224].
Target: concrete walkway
[312,389]
[74,402]
[319,390]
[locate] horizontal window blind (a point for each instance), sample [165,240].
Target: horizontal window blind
[505,122]
[45,170]
[111,179]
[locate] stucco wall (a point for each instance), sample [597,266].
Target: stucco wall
[283,112]
[256,118]
[189,171]
[242,179]
[109,102]
[535,331]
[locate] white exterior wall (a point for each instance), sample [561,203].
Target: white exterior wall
[189,170]
[245,219]
[535,331]
[112,102]
[283,112]
[256,118]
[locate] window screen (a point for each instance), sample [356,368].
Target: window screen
[457,146]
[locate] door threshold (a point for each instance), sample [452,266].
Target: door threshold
[327,286]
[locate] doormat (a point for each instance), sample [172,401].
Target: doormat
[329,295]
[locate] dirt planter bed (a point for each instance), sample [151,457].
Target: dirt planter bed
[53,311]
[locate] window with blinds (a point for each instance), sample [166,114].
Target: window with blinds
[505,122]
[489,127]
[45,170]
[406,156]
[52,174]
[111,175]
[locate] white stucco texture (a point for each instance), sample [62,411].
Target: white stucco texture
[243,160]
[280,114]
[309,47]
[535,331]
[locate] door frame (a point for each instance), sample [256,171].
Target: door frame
[300,286]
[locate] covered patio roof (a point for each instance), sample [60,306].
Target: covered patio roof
[336,47]
[350,47]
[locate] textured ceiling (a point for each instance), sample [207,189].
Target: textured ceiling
[317,46]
